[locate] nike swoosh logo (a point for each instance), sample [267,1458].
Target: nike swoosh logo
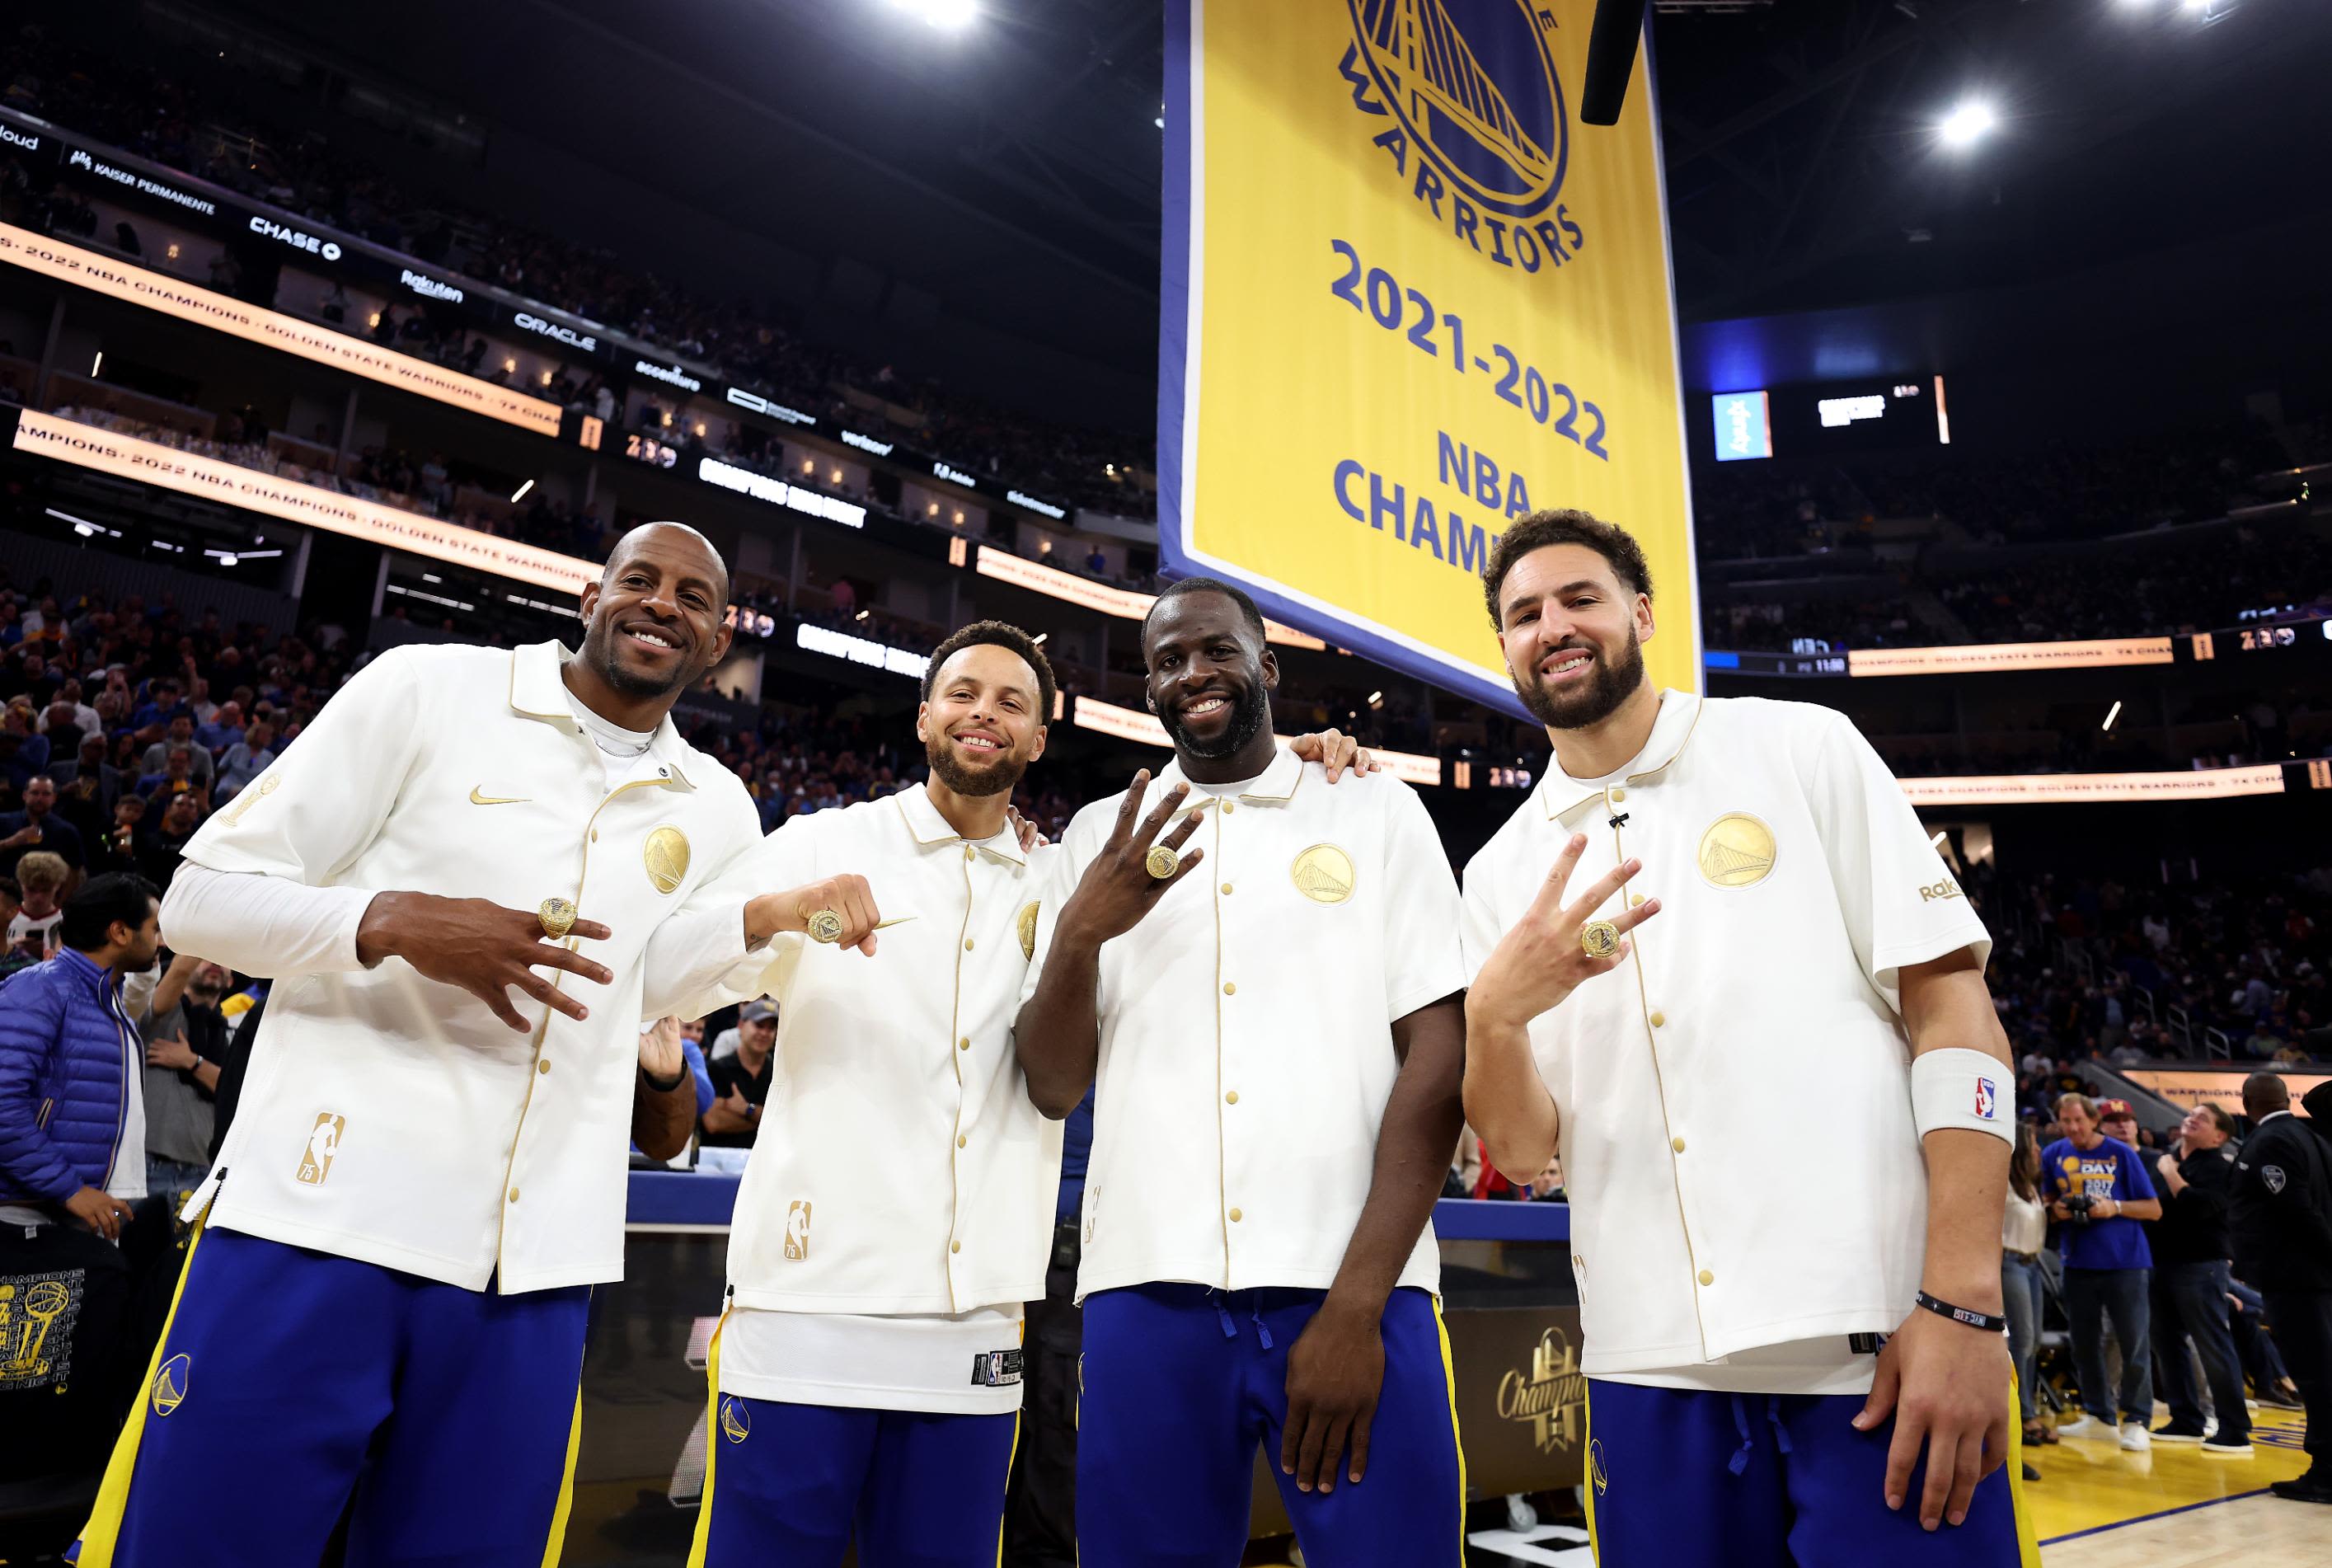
[478,800]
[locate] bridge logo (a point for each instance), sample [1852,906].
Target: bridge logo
[1473,82]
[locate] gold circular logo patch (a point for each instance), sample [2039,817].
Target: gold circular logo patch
[1028,928]
[1324,873]
[170,1385]
[1736,851]
[666,855]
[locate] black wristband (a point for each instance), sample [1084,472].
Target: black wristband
[1990,1325]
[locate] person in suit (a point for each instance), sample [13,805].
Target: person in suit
[2280,1222]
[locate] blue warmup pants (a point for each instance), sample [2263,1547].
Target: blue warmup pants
[289,1380]
[1181,1384]
[1681,1478]
[792,1485]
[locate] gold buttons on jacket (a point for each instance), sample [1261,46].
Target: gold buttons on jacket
[967,944]
[955,1247]
[1618,794]
[1226,887]
[513,1194]
[1231,1098]
[1659,1018]
[960,1141]
[542,1067]
[1634,898]
[964,1044]
[1706,1277]
[1235,1217]
[1229,989]
[1229,809]
[968,852]
[1676,1144]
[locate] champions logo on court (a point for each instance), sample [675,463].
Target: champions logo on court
[1479,134]
[1553,1398]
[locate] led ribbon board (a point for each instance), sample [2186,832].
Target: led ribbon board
[1408,298]
[230,484]
[207,308]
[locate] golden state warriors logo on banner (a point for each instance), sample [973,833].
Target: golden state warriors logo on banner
[1409,298]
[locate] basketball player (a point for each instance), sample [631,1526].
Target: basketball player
[385,1307]
[866,1379]
[1275,1023]
[1786,1121]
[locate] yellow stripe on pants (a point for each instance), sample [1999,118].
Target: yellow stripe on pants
[1457,1438]
[103,1531]
[711,1444]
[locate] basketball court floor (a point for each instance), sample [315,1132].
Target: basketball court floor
[2094,1506]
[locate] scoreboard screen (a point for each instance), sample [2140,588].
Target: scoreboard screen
[1882,415]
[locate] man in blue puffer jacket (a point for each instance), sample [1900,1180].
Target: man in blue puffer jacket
[72,1115]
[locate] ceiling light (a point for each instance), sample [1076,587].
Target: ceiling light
[520,493]
[1968,124]
[2111,716]
[948,16]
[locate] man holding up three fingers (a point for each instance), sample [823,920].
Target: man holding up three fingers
[1773,1352]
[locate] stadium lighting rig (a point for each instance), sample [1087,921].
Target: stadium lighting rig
[946,15]
[1968,123]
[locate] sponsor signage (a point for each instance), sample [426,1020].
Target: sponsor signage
[237,318]
[422,284]
[299,240]
[572,337]
[955,476]
[83,159]
[860,650]
[670,375]
[778,492]
[775,410]
[1023,499]
[2191,1086]
[212,479]
[866,443]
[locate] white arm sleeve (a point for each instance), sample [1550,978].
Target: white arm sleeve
[263,925]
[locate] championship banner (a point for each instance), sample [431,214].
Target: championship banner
[1408,298]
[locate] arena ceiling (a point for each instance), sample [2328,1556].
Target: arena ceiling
[1013,167]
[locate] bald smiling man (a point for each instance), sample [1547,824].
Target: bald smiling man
[474,875]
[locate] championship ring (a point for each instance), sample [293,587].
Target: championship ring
[1600,938]
[823,925]
[1162,862]
[558,918]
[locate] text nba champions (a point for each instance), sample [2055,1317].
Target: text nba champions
[1535,236]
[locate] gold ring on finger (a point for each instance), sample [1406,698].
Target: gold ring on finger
[558,918]
[823,925]
[1162,862]
[1599,938]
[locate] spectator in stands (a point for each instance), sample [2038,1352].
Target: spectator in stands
[23,754]
[2117,1122]
[186,1036]
[2280,1222]
[740,1083]
[165,701]
[2190,1275]
[71,1135]
[2024,1231]
[160,846]
[38,825]
[2097,1190]
[247,760]
[177,779]
[12,900]
[117,847]
[42,875]
[180,737]
[222,730]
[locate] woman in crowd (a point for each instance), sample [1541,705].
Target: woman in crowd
[2024,1231]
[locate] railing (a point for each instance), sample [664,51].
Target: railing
[2181,1027]
[2142,995]
[2216,1043]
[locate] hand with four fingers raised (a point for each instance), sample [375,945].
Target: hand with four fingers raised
[1118,889]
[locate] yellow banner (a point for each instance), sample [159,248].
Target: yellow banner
[208,308]
[231,485]
[1408,297]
